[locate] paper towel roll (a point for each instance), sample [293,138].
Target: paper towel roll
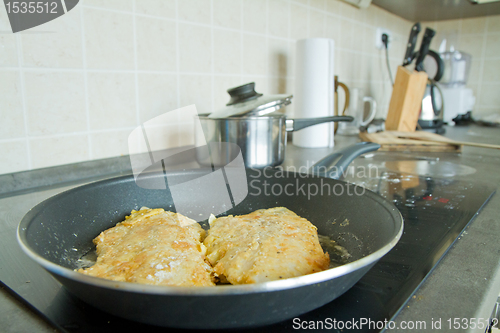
[314,90]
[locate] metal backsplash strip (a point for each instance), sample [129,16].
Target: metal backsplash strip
[20,182]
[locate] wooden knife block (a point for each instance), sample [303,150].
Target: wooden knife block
[406,100]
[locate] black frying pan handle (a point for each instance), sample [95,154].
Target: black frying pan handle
[342,158]
[300,123]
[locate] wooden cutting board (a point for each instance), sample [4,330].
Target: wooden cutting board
[390,141]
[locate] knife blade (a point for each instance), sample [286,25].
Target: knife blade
[424,49]
[412,41]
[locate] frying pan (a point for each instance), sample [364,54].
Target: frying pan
[58,233]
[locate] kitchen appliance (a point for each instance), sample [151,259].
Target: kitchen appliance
[458,99]
[456,68]
[431,227]
[357,110]
[250,122]
[315,90]
[58,233]
[431,111]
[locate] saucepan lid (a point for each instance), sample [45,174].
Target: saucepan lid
[245,101]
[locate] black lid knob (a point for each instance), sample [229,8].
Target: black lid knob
[242,93]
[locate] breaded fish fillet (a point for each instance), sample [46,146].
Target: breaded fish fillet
[153,246]
[266,245]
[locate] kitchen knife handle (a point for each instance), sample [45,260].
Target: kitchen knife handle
[412,41]
[300,123]
[424,48]
[341,160]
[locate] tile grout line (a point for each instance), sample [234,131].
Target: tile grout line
[177,54]
[85,83]
[136,76]
[289,48]
[242,44]
[324,30]
[212,51]
[23,98]
[308,33]
[289,20]
[481,65]
[267,44]
[69,134]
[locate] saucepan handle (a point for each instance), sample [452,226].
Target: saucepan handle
[300,123]
[341,160]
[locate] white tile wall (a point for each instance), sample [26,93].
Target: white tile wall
[196,89]
[109,39]
[72,89]
[157,94]
[156,44]
[63,149]
[112,100]
[227,13]
[195,48]
[11,107]
[54,102]
[8,56]
[122,5]
[14,156]
[162,8]
[227,51]
[255,18]
[196,11]
[53,45]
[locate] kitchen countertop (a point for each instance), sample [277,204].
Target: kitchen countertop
[464,284]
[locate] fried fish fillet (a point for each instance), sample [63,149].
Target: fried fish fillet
[153,246]
[266,245]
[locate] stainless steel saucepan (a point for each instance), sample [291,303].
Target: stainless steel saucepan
[250,121]
[261,139]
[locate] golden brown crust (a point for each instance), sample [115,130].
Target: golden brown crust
[153,247]
[266,245]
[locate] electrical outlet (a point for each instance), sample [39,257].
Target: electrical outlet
[378,38]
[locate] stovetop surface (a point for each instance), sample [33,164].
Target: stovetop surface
[435,210]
